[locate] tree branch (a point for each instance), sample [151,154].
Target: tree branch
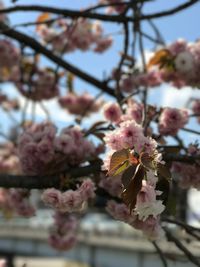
[103,17]
[42,182]
[160,253]
[171,11]
[67,13]
[179,245]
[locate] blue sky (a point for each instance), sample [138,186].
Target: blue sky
[183,25]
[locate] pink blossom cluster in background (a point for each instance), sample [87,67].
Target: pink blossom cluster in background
[3,263]
[133,111]
[131,82]
[112,186]
[16,201]
[66,36]
[187,175]
[116,6]
[70,200]
[171,120]
[82,105]
[41,151]
[180,66]
[63,234]
[38,84]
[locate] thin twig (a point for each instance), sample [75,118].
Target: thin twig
[160,252]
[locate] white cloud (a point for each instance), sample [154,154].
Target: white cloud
[178,98]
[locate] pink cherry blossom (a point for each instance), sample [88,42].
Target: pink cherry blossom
[171,120]
[112,112]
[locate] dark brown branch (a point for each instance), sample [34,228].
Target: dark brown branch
[103,17]
[160,253]
[32,43]
[190,131]
[171,11]
[179,245]
[181,158]
[67,13]
[42,182]
[188,228]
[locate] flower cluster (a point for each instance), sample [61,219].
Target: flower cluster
[112,186]
[171,120]
[146,216]
[16,201]
[63,235]
[38,84]
[130,82]
[41,151]
[179,63]
[187,175]
[82,34]
[133,111]
[81,105]
[130,135]
[70,200]
[147,210]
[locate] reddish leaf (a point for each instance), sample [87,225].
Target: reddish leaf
[128,175]
[148,161]
[129,195]
[119,160]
